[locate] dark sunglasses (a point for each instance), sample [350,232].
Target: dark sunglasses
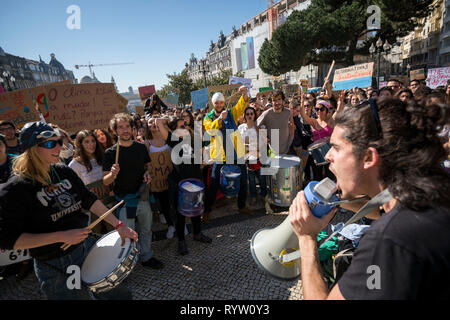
[321,109]
[50,144]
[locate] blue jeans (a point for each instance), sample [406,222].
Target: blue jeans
[53,278]
[142,225]
[252,176]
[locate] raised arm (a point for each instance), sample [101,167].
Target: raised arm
[305,117]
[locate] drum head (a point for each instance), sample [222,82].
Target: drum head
[104,257]
[318,143]
[192,185]
[284,161]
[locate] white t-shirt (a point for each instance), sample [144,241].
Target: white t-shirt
[88,177]
[252,140]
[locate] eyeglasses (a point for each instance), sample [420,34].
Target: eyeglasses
[50,144]
[320,109]
[307,106]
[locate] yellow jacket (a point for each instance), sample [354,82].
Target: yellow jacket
[214,128]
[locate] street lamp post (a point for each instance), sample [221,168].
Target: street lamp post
[204,70]
[380,48]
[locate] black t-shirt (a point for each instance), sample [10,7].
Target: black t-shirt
[409,251]
[5,169]
[17,150]
[188,168]
[30,207]
[132,161]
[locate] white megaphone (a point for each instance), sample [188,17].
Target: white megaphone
[275,250]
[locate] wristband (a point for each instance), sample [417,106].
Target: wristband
[120,224]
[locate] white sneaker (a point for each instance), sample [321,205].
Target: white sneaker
[170,232]
[186,231]
[162,219]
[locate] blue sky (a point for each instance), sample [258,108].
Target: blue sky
[158,36]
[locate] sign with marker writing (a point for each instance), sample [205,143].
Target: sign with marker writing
[159,169]
[18,107]
[438,77]
[81,106]
[39,95]
[146,92]
[199,98]
[355,76]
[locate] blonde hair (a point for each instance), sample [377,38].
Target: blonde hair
[29,165]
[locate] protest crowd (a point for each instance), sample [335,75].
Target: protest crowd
[55,181]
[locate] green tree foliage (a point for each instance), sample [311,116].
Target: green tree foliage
[329,30]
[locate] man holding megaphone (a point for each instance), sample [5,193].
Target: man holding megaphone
[404,255]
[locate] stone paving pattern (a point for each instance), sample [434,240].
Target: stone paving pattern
[223,270]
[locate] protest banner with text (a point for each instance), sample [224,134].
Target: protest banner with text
[438,77]
[82,106]
[355,76]
[39,95]
[146,92]
[242,81]
[18,107]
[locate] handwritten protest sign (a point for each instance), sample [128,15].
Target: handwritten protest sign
[122,103]
[229,91]
[438,77]
[39,95]
[146,92]
[172,97]
[199,98]
[81,106]
[418,74]
[290,89]
[159,169]
[265,94]
[18,107]
[242,81]
[355,76]
[139,110]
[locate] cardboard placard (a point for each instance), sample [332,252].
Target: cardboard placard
[159,169]
[355,76]
[122,103]
[438,77]
[18,107]
[172,97]
[418,74]
[266,93]
[146,92]
[290,89]
[304,84]
[229,91]
[140,110]
[39,96]
[76,107]
[199,98]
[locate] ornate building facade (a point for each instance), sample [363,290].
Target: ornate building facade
[18,73]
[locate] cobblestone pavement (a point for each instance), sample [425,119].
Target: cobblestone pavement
[223,270]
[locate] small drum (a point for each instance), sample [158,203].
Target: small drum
[286,181]
[230,177]
[318,150]
[190,197]
[108,263]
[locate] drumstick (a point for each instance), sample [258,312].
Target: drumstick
[93,224]
[117,150]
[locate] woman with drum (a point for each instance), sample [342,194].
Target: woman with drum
[41,209]
[87,164]
[187,169]
[322,128]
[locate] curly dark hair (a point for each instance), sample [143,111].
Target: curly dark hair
[409,148]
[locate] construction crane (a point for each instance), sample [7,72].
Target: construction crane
[78,66]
